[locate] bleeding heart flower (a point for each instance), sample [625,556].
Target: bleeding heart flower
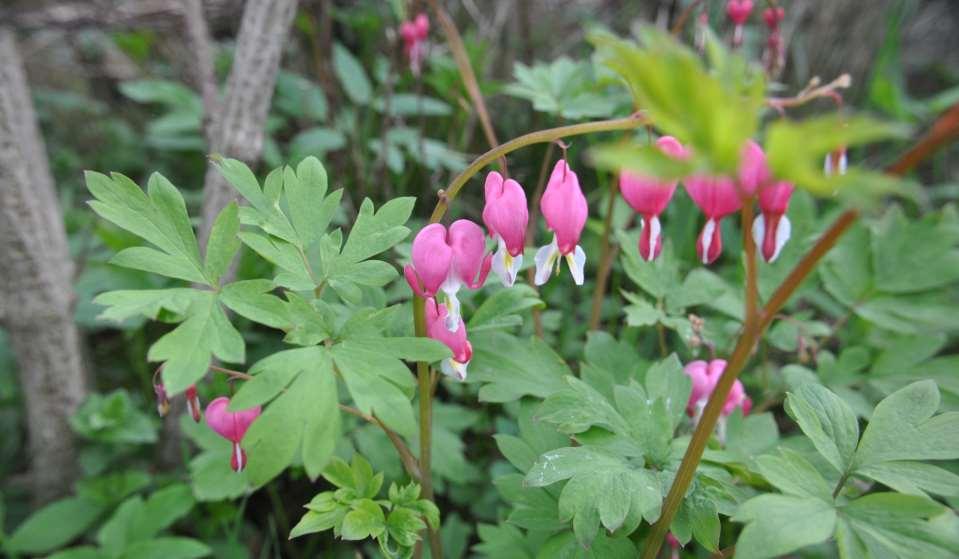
[705,376]
[163,402]
[193,402]
[414,35]
[717,197]
[738,11]
[447,260]
[649,197]
[231,426]
[436,317]
[506,217]
[772,229]
[564,208]
[835,163]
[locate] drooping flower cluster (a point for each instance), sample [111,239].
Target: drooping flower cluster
[414,34]
[446,259]
[717,197]
[231,426]
[774,57]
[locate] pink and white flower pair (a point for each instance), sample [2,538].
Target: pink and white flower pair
[444,260]
[718,197]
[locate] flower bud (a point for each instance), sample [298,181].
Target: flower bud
[163,402]
[193,402]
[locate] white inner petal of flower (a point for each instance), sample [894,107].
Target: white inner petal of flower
[546,257]
[453,368]
[707,239]
[783,232]
[505,265]
[759,230]
[577,264]
[655,230]
[450,287]
[239,457]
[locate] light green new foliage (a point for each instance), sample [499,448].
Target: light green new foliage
[354,511]
[713,110]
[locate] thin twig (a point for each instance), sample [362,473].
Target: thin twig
[607,255]
[406,456]
[684,17]
[469,77]
[538,137]
[531,231]
[811,92]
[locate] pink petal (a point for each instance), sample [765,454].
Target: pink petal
[715,196]
[432,257]
[436,329]
[738,10]
[697,371]
[229,425]
[775,197]
[564,206]
[753,170]
[505,213]
[646,195]
[422,23]
[735,399]
[468,246]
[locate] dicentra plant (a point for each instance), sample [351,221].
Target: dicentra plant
[628,449]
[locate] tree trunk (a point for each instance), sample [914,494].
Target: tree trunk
[240,120]
[37,275]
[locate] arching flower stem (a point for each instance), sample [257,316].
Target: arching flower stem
[538,137]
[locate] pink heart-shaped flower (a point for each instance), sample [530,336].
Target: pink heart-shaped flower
[229,425]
